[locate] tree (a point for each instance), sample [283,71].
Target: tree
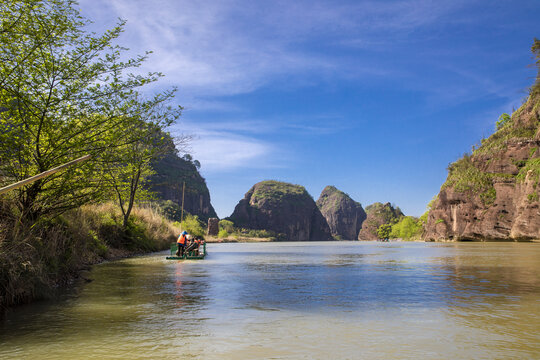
[406,228]
[536,51]
[502,121]
[384,231]
[66,93]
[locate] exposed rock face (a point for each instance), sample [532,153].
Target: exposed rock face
[213,227]
[283,208]
[171,172]
[343,215]
[493,194]
[378,214]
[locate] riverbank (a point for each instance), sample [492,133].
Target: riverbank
[36,260]
[237,239]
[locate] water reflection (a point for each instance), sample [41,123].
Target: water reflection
[368,300]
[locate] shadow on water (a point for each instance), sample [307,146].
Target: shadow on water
[133,295]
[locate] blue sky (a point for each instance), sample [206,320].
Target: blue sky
[373,97]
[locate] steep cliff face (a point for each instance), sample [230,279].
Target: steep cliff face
[343,215]
[171,172]
[283,208]
[378,214]
[493,193]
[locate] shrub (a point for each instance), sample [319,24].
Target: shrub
[407,228]
[193,225]
[502,121]
[226,225]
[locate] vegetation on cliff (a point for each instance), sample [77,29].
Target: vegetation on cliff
[492,192]
[276,191]
[170,173]
[467,174]
[379,214]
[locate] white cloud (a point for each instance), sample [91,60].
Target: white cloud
[221,150]
[215,48]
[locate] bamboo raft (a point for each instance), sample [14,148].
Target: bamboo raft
[190,255]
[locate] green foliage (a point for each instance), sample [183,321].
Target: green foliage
[226,225]
[170,209]
[532,165]
[498,141]
[35,258]
[193,225]
[424,218]
[384,231]
[275,191]
[439,221]
[502,121]
[535,90]
[463,176]
[407,228]
[386,213]
[227,228]
[64,93]
[533,197]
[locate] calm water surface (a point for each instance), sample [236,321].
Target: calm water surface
[344,300]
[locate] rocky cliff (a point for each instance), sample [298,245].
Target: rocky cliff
[343,215]
[171,172]
[378,214]
[492,194]
[283,208]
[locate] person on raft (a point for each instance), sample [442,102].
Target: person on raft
[193,244]
[181,243]
[199,240]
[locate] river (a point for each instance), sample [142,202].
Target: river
[332,300]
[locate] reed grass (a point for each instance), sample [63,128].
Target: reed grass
[37,258]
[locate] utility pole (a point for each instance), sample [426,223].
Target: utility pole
[182,215]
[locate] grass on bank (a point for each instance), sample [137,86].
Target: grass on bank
[36,259]
[228,230]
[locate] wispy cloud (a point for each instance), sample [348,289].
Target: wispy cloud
[236,144]
[226,150]
[233,47]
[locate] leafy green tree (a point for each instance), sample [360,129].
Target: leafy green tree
[406,228]
[384,231]
[193,225]
[226,225]
[536,51]
[64,93]
[502,121]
